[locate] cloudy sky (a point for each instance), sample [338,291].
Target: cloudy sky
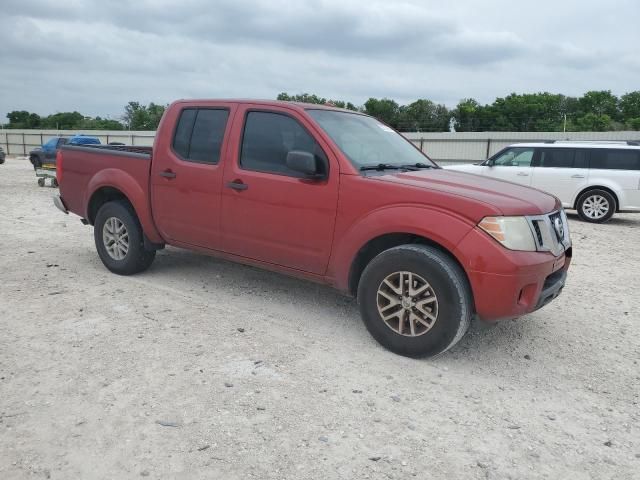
[95,56]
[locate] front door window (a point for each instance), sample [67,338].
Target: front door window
[514,157]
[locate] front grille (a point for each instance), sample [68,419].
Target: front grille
[537,231]
[555,217]
[551,232]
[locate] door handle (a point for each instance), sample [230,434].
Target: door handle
[577,176]
[522,174]
[167,174]
[237,185]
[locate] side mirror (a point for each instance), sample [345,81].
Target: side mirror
[305,163]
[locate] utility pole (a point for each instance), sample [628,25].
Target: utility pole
[564,128]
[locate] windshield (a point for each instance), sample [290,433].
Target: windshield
[366,141]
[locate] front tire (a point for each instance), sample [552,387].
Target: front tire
[415,300]
[119,239]
[596,206]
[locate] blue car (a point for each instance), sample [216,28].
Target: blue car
[47,152]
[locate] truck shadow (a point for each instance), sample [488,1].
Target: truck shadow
[211,274]
[270,290]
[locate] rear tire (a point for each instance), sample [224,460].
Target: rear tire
[415,300]
[120,240]
[596,206]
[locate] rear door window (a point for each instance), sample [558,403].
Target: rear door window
[615,159]
[557,157]
[199,134]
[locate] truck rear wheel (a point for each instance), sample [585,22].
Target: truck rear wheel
[119,239]
[415,300]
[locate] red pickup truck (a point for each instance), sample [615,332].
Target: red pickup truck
[332,196]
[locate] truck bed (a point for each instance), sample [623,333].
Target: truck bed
[89,168]
[112,148]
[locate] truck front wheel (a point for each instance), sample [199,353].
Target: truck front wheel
[415,300]
[119,239]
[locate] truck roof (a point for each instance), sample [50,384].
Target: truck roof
[268,103]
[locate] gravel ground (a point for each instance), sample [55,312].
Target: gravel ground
[201,368]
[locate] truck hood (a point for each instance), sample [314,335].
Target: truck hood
[509,198]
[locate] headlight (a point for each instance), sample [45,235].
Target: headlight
[512,232]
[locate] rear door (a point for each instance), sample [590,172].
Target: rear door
[512,164]
[618,169]
[186,175]
[561,172]
[270,213]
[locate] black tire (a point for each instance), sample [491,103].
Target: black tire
[587,200]
[41,182]
[54,182]
[137,258]
[35,161]
[447,281]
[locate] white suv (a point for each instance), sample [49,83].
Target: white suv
[595,178]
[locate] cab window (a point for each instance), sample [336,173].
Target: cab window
[267,139]
[199,134]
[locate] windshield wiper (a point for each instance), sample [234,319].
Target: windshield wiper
[418,165]
[386,166]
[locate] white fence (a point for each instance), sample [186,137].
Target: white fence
[469,147]
[445,147]
[21,142]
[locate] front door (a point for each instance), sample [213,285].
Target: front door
[512,164]
[269,212]
[186,176]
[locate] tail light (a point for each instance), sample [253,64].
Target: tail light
[59,167]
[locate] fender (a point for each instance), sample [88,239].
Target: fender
[124,182]
[435,224]
[600,182]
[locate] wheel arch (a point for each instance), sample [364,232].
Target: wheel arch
[597,187]
[384,242]
[104,195]
[113,184]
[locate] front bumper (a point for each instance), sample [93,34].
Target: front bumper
[59,203]
[552,287]
[508,284]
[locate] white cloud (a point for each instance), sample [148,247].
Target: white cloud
[96,56]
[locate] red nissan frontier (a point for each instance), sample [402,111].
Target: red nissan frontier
[332,196]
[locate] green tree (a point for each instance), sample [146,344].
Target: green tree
[99,123]
[383,109]
[601,102]
[63,121]
[634,123]
[467,115]
[630,108]
[23,119]
[302,98]
[593,122]
[315,99]
[141,117]
[424,116]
